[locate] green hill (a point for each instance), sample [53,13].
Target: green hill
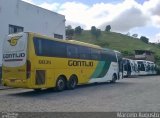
[117,41]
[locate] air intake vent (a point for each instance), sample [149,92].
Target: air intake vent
[40,77]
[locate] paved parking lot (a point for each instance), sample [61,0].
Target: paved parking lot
[129,94]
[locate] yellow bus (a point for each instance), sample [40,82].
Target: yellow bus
[34,61]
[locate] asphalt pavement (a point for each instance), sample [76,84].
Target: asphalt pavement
[130,94]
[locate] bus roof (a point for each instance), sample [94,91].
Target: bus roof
[66,41]
[83,43]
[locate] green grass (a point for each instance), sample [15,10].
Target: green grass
[117,41]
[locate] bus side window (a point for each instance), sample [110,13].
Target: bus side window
[58,49]
[95,54]
[38,47]
[142,67]
[72,51]
[104,56]
[84,52]
[45,47]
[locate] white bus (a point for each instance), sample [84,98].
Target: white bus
[130,67]
[146,67]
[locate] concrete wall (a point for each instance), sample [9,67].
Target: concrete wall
[32,18]
[0,74]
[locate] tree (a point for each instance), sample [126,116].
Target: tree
[96,32]
[158,44]
[78,30]
[93,30]
[144,39]
[69,31]
[108,28]
[69,27]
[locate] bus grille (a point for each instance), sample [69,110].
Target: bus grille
[40,77]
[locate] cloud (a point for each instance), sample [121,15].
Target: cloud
[157,38]
[156,9]
[75,13]
[123,16]
[75,24]
[29,1]
[153,7]
[52,7]
[128,20]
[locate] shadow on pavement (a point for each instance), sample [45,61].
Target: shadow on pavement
[80,88]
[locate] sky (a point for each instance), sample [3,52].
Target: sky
[140,17]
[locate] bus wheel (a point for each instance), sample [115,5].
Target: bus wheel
[114,78]
[72,83]
[60,84]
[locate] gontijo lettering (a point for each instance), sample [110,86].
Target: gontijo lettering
[80,63]
[14,55]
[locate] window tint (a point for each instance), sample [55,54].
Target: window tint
[72,51]
[50,48]
[136,67]
[152,67]
[108,55]
[148,67]
[44,47]
[104,55]
[15,29]
[125,65]
[132,66]
[58,36]
[120,64]
[95,54]
[38,47]
[84,52]
[141,66]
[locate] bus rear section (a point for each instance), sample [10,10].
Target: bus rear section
[15,64]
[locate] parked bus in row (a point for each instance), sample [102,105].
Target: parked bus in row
[146,67]
[130,67]
[138,67]
[35,61]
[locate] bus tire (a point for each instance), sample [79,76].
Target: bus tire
[72,83]
[114,78]
[60,84]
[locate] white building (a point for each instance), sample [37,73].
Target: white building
[17,16]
